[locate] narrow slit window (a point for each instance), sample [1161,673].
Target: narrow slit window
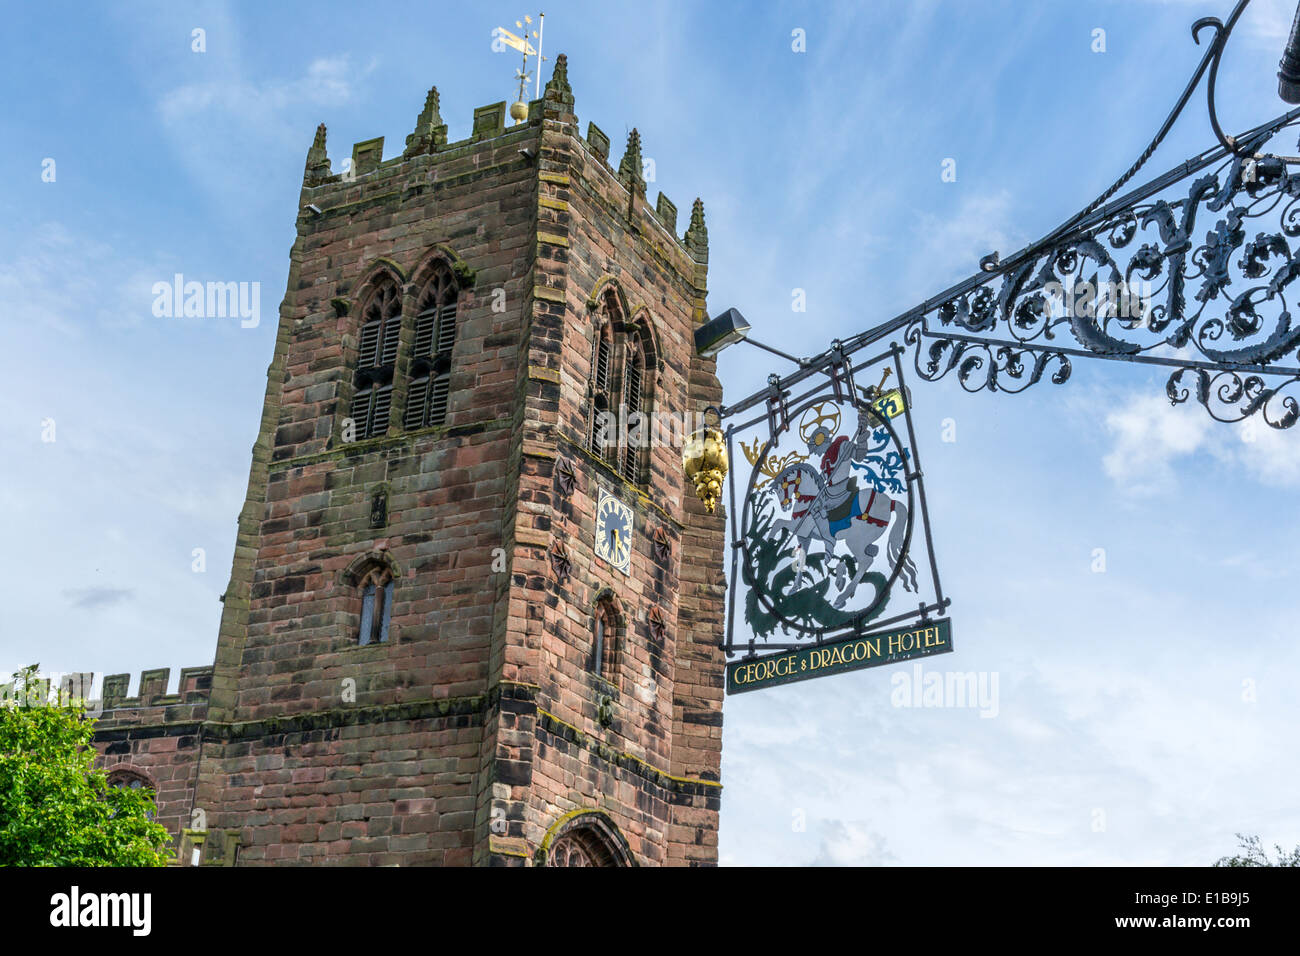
[367,613]
[439,394]
[381,328]
[376,607]
[417,400]
[370,410]
[388,612]
[599,439]
[604,645]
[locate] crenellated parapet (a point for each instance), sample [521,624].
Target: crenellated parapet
[492,140]
[193,687]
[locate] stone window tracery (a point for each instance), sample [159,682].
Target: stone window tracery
[435,338]
[376,606]
[619,395]
[381,325]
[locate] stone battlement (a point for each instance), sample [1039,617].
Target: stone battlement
[193,687]
[428,143]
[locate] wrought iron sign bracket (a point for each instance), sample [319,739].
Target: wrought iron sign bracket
[778,411]
[1129,280]
[840,370]
[1166,275]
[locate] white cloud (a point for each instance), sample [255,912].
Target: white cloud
[39,289]
[1151,439]
[125,486]
[1272,455]
[328,81]
[950,246]
[263,127]
[850,843]
[1149,435]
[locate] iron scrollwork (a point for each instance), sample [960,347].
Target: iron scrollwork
[1133,282]
[1138,286]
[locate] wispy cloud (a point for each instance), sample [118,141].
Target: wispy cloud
[262,123]
[1263,20]
[94,598]
[850,843]
[1153,443]
[328,81]
[979,224]
[1149,435]
[69,282]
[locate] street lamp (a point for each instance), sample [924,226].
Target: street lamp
[716,334]
[729,328]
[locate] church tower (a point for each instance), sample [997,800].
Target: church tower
[475,611]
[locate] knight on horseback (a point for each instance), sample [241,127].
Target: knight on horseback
[832,508]
[827,506]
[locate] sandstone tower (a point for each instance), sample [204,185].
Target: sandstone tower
[423,658]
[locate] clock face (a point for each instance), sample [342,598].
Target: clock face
[614,532]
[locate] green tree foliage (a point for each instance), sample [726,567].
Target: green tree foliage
[56,808]
[1253,854]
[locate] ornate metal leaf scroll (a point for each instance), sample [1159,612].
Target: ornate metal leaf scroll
[1200,278]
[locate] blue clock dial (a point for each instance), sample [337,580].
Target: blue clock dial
[614,532]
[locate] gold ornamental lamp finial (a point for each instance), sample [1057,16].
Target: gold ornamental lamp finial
[704,459]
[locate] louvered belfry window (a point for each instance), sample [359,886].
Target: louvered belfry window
[381,327]
[601,436]
[435,339]
[619,394]
[635,431]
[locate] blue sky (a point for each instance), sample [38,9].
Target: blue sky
[1122,695]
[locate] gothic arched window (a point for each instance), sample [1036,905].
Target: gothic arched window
[589,840]
[376,606]
[435,336]
[619,394]
[132,780]
[604,645]
[601,434]
[636,437]
[381,325]
[128,779]
[569,850]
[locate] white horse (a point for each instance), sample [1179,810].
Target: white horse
[857,520]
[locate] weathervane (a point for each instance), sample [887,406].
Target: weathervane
[519,109]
